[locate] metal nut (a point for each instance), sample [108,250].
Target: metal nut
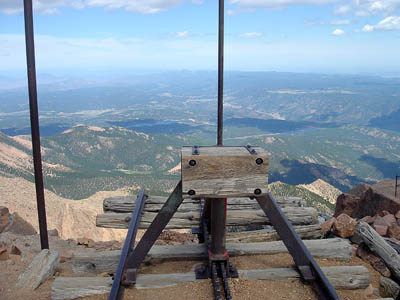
[259,161]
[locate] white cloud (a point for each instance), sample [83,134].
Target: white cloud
[182,34]
[338,32]
[52,6]
[248,35]
[274,4]
[328,23]
[343,9]
[364,8]
[389,23]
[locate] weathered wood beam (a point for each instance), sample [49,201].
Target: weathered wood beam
[306,232]
[182,220]
[341,277]
[154,204]
[107,261]
[389,288]
[379,246]
[76,287]
[344,278]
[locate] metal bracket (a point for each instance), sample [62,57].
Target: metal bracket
[306,273]
[129,277]
[251,150]
[195,150]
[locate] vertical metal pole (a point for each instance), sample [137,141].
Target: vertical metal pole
[220,72]
[37,157]
[218,206]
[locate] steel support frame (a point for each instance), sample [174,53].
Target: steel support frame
[117,290]
[305,263]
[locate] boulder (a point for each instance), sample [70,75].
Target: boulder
[380,221]
[390,219]
[15,250]
[3,211]
[89,243]
[3,254]
[346,203]
[5,221]
[344,226]
[41,268]
[394,231]
[376,199]
[327,226]
[53,232]
[381,229]
[368,219]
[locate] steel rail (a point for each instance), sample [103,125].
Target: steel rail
[117,290]
[34,116]
[305,263]
[153,232]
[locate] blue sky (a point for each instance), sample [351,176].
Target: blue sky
[327,36]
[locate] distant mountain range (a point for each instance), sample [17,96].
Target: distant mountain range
[85,159]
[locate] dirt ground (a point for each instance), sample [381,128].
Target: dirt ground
[241,289]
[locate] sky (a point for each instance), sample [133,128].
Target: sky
[323,36]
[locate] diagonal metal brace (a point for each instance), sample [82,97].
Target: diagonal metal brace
[153,232]
[117,290]
[307,266]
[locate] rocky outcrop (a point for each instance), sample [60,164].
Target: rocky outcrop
[14,223]
[369,200]
[345,204]
[376,199]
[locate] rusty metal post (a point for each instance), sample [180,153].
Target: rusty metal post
[37,157]
[220,73]
[218,229]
